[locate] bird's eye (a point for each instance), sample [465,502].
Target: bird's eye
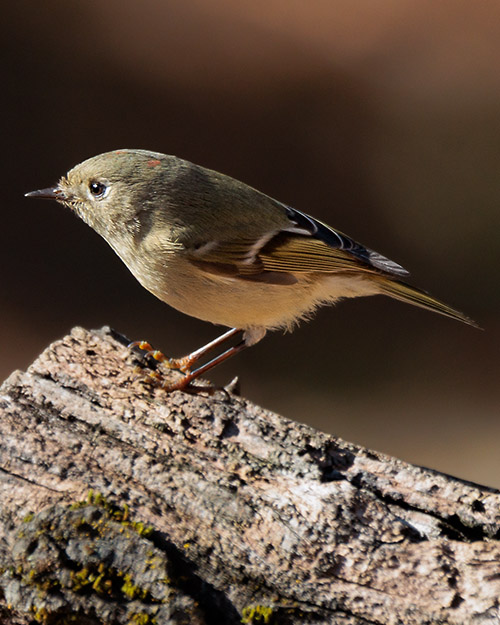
[97,189]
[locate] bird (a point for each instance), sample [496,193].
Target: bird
[219,250]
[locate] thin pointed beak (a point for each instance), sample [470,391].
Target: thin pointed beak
[52,193]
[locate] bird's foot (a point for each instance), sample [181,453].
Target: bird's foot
[156,378]
[179,364]
[185,366]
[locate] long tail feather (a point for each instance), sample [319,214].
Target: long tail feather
[411,295]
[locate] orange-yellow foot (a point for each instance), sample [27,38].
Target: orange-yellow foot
[180,364]
[157,379]
[185,365]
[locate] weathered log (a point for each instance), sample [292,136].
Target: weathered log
[207,509]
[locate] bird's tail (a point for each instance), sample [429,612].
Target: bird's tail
[411,295]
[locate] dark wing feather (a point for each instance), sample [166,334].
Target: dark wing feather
[305,246]
[338,240]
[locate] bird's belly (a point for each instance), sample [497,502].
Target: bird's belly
[234,302]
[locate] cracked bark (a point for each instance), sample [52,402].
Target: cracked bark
[210,510]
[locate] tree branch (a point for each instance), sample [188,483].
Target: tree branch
[210,510]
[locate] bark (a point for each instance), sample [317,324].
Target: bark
[122,504]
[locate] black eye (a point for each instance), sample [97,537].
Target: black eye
[98,189]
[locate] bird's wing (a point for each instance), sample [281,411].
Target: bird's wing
[335,240]
[305,245]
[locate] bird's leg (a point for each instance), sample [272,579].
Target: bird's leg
[185,363]
[184,382]
[250,337]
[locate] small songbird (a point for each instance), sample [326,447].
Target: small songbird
[217,249]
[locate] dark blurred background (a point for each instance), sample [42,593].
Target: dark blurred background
[380,118]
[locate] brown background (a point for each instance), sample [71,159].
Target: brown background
[381,118]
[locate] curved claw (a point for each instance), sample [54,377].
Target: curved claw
[156,355]
[150,376]
[179,364]
[185,384]
[143,345]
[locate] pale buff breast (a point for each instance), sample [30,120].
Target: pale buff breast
[234,302]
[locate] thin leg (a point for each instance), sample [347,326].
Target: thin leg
[192,375]
[251,336]
[186,362]
[192,358]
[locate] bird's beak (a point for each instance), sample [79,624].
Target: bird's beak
[52,193]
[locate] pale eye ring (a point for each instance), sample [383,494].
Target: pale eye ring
[97,189]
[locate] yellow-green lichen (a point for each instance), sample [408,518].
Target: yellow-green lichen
[40,581]
[142,618]
[86,578]
[257,614]
[117,513]
[132,591]
[106,581]
[40,614]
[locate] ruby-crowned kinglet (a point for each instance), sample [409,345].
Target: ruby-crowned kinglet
[219,250]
